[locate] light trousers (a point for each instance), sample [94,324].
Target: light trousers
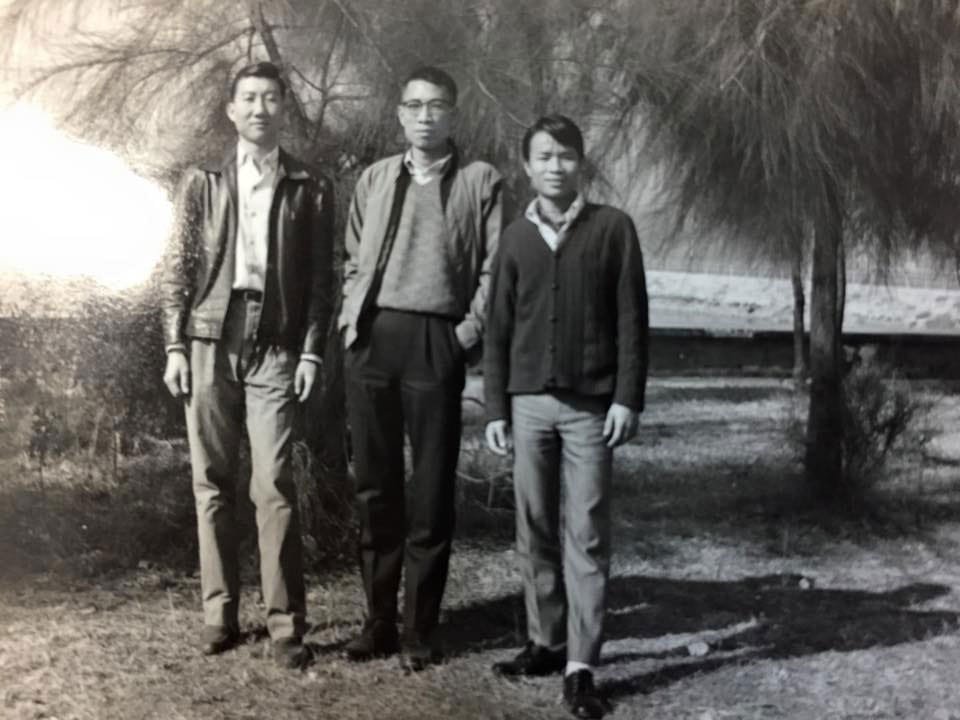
[234,385]
[559,450]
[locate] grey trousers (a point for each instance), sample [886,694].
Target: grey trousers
[558,444]
[233,386]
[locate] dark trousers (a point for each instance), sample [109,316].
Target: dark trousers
[405,373]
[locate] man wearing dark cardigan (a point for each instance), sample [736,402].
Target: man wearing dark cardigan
[564,374]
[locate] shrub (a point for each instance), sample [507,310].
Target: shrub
[882,420]
[881,416]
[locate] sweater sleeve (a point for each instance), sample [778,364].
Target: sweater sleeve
[633,322]
[499,331]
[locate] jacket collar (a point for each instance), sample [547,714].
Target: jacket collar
[287,167]
[445,180]
[450,169]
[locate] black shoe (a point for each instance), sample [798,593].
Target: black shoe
[215,639]
[378,638]
[581,697]
[290,653]
[416,656]
[533,660]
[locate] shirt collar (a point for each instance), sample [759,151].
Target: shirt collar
[573,212]
[425,174]
[247,151]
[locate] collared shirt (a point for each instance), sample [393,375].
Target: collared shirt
[423,175]
[256,181]
[554,237]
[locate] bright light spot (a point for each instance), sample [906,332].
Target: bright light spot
[69,209]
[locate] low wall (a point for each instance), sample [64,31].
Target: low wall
[690,351]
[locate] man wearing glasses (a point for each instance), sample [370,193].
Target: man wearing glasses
[421,233]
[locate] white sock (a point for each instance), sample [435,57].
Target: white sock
[575,666]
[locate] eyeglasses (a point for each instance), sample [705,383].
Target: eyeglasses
[434,107]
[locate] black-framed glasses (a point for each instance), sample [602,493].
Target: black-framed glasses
[434,107]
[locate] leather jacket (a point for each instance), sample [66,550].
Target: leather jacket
[199,265]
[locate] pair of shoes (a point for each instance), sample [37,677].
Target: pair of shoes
[534,660]
[581,697]
[379,638]
[290,653]
[417,655]
[215,639]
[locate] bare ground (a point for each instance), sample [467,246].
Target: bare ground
[730,598]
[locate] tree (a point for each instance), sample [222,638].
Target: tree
[778,116]
[147,79]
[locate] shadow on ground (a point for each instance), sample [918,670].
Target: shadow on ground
[769,617]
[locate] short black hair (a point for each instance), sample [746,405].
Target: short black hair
[434,76]
[560,128]
[262,70]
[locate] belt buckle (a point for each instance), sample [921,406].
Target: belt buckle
[249,295]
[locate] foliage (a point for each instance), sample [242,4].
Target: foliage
[886,427]
[780,120]
[882,418]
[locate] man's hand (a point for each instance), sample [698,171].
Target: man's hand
[620,425]
[498,436]
[176,376]
[304,379]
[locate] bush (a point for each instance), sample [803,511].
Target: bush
[883,420]
[880,416]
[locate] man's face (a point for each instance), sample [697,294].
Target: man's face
[256,110]
[426,115]
[553,169]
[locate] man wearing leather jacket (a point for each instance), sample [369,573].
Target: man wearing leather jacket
[247,296]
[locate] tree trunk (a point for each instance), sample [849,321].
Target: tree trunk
[95,435]
[799,302]
[824,459]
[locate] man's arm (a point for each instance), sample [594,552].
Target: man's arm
[470,330]
[353,233]
[320,299]
[178,278]
[499,331]
[633,322]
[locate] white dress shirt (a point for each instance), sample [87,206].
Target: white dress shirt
[256,182]
[423,175]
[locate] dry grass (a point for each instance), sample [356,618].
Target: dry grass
[731,598]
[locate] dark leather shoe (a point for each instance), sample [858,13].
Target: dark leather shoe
[533,660]
[378,638]
[581,697]
[416,656]
[290,653]
[215,639]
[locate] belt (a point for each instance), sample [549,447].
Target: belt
[248,295]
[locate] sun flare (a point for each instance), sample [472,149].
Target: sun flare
[70,209]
